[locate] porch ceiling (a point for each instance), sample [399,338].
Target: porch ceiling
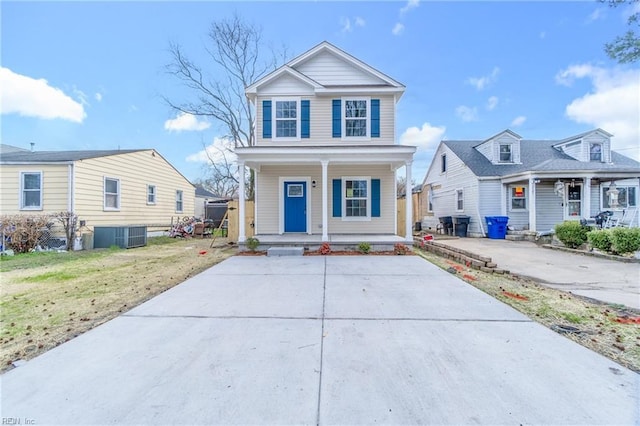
[394,155]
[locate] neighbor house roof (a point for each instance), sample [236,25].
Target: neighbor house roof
[536,156]
[201,192]
[59,156]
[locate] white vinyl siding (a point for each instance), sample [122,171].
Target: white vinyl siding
[548,207]
[267,190]
[54,184]
[320,123]
[31,190]
[329,70]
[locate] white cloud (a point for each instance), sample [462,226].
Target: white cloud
[542,34]
[518,121]
[411,4]
[215,152]
[360,22]
[345,23]
[613,103]
[595,15]
[481,82]
[98,96]
[427,136]
[397,29]
[185,122]
[36,98]
[492,103]
[466,113]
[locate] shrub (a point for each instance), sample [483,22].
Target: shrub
[400,249]
[625,240]
[571,233]
[252,243]
[22,233]
[364,247]
[324,249]
[600,239]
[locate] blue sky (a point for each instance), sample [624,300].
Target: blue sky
[89,75]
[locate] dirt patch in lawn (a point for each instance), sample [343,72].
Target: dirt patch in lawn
[611,330]
[49,298]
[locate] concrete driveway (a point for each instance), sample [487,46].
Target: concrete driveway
[322,340]
[602,279]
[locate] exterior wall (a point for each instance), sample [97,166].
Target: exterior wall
[444,185]
[518,219]
[549,208]
[596,138]
[268,198]
[320,123]
[574,150]
[55,188]
[489,194]
[135,171]
[330,70]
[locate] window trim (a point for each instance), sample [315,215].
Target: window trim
[510,160]
[525,198]
[343,199]
[155,194]
[459,198]
[104,194]
[179,200]
[343,117]
[23,189]
[274,120]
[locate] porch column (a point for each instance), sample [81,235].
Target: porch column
[325,201]
[241,191]
[532,204]
[503,199]
[408,205]
[586,198]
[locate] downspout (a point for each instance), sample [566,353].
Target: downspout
[71,189]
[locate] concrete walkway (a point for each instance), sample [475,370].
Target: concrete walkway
[322,340]
[597,278]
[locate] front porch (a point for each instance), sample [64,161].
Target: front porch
[337,242]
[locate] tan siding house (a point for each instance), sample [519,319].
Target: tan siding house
[326,155]
[104,188]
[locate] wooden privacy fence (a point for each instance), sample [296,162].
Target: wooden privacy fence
[234,228]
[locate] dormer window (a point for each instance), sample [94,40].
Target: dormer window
[595,152]
[505,153]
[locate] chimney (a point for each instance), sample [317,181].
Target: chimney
[33,146]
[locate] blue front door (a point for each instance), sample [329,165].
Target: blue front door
[295,207]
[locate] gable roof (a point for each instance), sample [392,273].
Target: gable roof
[59,156]
[536,156]
[201,192]
[291,68]
[507,132]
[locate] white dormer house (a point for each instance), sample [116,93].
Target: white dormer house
[503,148]
[592,146]
[326,154]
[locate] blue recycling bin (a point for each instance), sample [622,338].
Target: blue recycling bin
[497,227]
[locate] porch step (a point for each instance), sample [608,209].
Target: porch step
[514,237]
[285,251]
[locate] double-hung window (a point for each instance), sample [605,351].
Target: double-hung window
[179,204]
[286,119]
[459,200]
[111,194]
[31,191]
[518,195]
[595,152]
[626,197]
[505,153]
[356,118]
[356,197]
[151,194]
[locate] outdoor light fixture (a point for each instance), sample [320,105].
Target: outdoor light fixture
[558,188]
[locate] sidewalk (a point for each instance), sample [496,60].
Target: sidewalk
[605,280]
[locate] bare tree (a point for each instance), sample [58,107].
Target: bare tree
[625,48]
[220,173]
[401,186]
[217,92]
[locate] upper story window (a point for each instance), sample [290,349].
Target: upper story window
[179,204]
[31,191]
[595,152]
[111,194]
[505,153]
[356,118]
[151,194]
[286,119]
[443,163]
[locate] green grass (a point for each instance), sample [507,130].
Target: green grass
[158,241]
[36,259]
[573,318]
[50,276]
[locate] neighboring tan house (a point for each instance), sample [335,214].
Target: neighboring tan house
[104,188]
[326,154]
[536,183]
[203,197]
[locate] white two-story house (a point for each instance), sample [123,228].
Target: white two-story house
[325,156]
